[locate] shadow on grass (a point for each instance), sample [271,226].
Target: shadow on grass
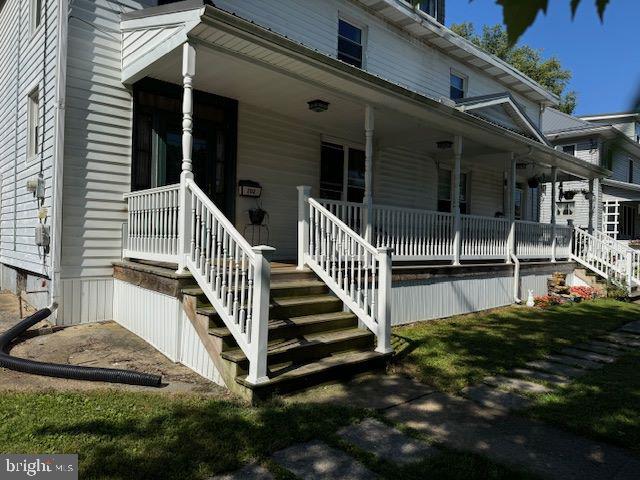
[604,404]
[142,436]
[452,353]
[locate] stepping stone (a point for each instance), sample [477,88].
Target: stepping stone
[516,384]
[491,398]
[599,347]
[317,461]
[556,368]
[590,356]
[386,442]
[574,362]
[557,380]
[633,327]
[252,471]
[621,339]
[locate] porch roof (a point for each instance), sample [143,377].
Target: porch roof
[621,191]
[151,47]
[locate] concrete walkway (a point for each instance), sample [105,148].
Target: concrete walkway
[481,423]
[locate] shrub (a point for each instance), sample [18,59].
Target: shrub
[546,301]
[586,293]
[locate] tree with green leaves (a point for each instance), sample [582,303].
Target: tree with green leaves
[547,72]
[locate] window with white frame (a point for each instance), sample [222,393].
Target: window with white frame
[457,85]
[36,14]
[33,124]
[430,7]
[342,170]
[350,43]
[569,149]
[445,190]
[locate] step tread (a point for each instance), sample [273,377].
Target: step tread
[275,324]
[292,344]
[277,285]
[285,372]
[282,302]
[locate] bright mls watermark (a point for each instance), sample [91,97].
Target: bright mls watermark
[51,467]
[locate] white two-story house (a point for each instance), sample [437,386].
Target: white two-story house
[152,151]
[609,140]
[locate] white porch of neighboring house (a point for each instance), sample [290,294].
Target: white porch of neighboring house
[397,202]
[621,210]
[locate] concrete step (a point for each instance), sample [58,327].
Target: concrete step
[288,377]
[310,347]
[299,326]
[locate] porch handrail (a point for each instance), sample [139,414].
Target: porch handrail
[233,275]
[357,272]
[152,224]
[604,258]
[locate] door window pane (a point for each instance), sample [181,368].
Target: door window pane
[355,176]
[331,171]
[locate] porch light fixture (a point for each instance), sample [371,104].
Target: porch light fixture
[318,106]
[533,182]
[444,144]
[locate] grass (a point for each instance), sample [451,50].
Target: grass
[604,404]
[453,353]
[122,435]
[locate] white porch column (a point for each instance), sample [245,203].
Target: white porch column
[591,203]
[184,219]
[554,180]
[455,199]
[511,214]
[368,172]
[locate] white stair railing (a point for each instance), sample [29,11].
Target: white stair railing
[234,276]
[612,261]
[152,224]
[357,272]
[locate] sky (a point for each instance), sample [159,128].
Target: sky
[603,57]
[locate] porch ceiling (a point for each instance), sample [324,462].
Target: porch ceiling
[240,60]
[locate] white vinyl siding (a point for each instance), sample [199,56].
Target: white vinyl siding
[390,53]
[24,65]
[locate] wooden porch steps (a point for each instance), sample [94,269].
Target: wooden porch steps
[311,338]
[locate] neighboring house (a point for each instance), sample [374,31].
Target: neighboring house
[398,166]
[609,140]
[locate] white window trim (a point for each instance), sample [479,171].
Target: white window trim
[363,28]
[31,153]
[346,146]
[33,29]
[465,81]
[463,171]
[574,145]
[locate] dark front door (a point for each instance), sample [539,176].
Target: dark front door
[157,155]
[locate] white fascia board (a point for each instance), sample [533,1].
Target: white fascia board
[442,36]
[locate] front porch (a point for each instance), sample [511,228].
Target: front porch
[384,177]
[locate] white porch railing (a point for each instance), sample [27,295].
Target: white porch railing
[484,237]
[234,276]
[358,273]
[416,234]
[152,224]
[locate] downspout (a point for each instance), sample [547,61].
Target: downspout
[516,278]
[56,178]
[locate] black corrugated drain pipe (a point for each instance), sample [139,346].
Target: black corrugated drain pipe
[73,372]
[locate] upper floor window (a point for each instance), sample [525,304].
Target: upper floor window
[33,124]
[430,7]
[36,14]
[638,132]
[569,149]
[457,86]
[350,41]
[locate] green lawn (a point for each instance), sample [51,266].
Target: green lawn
[604,404]
[452,353]
[149,436]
